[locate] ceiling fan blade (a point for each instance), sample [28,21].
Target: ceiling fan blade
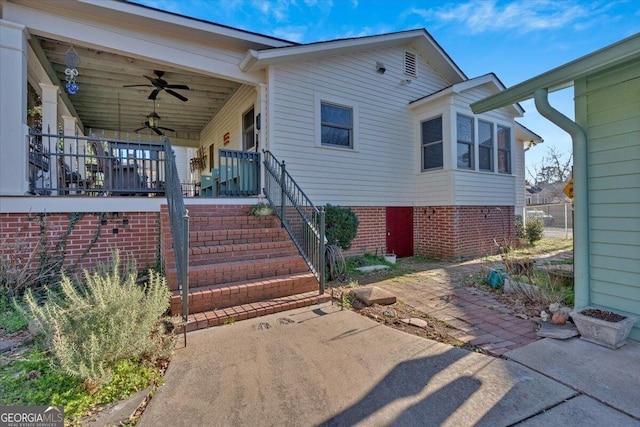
[156,130]
[184,87]
[163,128]
[138,86]
[154,94]
[151,79]
[177,95]
[139,129]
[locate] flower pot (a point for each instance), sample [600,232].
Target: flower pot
[390,258]
[603,332]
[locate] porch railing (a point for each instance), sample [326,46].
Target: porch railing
[179,219]
[238,173]
[303,221]
[71,164]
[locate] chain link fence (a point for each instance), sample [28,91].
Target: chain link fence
[557,218]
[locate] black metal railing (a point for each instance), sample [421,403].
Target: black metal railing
[179,219]
[95,165]
[302,220]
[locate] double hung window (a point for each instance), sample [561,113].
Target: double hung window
[465,142]
[432,154]
[504,149]
[337,125]
[485,146]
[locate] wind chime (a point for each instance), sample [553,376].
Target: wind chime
[72,61]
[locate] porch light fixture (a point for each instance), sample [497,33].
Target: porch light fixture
[153,119]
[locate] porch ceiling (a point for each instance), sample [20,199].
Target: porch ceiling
[103,103]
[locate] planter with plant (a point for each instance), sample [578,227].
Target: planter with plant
[262,208]
[603,327]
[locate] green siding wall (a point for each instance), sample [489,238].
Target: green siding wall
[612,100]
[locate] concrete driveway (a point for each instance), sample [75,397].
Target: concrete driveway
[322,366]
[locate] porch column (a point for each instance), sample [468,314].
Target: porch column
[49,98]
[14,180]
[261,133]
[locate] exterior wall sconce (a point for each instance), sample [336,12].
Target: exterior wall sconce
[380,68]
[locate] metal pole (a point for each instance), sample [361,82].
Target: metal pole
[185,272]
[321,263]
[282,193]
[566,228]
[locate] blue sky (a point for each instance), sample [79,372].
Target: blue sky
[514,39]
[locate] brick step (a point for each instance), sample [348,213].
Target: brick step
[234,222]
[233,236]
[231,253]
[215,297]
[249,311]
[230,272]
[219,210]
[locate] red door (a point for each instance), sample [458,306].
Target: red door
[400,231]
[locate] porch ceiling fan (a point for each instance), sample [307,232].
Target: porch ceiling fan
[159,84]
[153,120]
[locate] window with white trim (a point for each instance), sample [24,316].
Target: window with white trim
[465,142]
[485,146]
[431,137]
[248,130]
[504,149]
[336,125]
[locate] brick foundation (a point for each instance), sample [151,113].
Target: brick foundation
[80,240]
[439,231]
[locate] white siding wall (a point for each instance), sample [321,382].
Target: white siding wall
[228,119]
[613,112]
[381,170]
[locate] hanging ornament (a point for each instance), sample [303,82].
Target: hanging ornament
[72,61]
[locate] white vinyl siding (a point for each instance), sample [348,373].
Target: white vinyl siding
[382,170]
[229,119]
[612,113]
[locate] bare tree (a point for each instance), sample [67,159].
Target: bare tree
[553,168]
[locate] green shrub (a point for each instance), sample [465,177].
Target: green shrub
[341,226]
[534,229]
[92,326]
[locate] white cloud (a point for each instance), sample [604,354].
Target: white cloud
[522,16]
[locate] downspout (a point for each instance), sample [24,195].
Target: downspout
[580,194]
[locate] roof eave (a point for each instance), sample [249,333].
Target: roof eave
[422,40]
[564,76]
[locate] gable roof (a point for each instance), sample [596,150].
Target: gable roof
[460,87]
[564,76]
[420,39]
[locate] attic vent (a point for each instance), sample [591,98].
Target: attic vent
[410,66]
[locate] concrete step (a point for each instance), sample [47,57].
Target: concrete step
[245,292]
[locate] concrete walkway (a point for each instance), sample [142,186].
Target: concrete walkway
[322,366]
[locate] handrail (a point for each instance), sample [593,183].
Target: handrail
[298,215]
[179,219]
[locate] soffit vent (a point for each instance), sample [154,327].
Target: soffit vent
[410,64]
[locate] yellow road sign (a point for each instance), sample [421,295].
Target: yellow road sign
[568,189]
